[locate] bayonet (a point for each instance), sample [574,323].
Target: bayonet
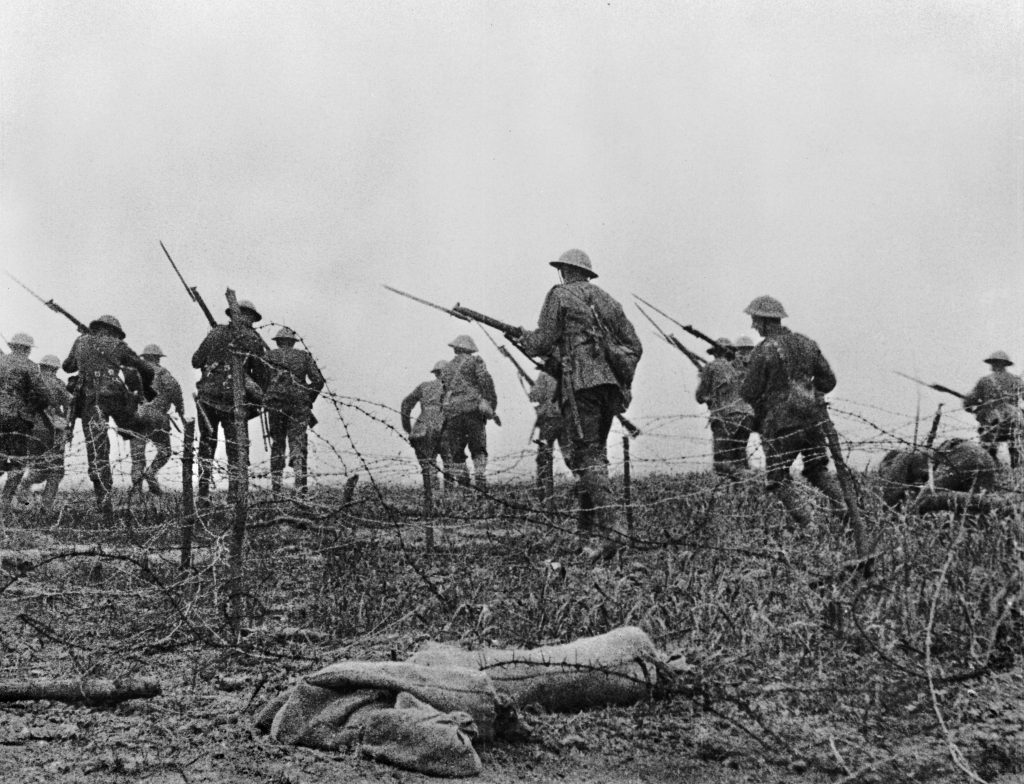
[53,306]
[686,327]
[698,361]
[193,291]
[936,387]
[428,303]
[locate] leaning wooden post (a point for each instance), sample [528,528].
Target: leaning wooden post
[238,472]
[627,484]
[428,508]
[187,499]
[845,476]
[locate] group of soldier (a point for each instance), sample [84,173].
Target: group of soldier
[112,385]
[587,347]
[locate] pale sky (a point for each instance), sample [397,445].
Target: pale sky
[861,161]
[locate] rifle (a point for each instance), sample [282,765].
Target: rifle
[936,387]
[193,291]
[466,314]
[698,361]
[729,352]
[53,306]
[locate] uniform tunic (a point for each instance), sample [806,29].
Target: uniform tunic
[425,435]
[295,382]
[467,384]
[730,415]
[23,396]
[995,401]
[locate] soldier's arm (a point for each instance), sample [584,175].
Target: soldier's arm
[485,383]
[177,399]
[542,341]
[974,398]
[824,378]
[408,404]
[624,330]
[202,354]
[316,378]
[255,360]
[705,387]
[129,358]
[38,395]
[71,363]
[755,380]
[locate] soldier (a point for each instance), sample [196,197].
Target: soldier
[99,357]
[785,383]
[957,466]
[730,416]
[295,383]
[550,429]
[469,401]
[995,402]
[744,346]
[23,398]
[153,422]
[215,401]
[425,436]
[583,332]
[50,434]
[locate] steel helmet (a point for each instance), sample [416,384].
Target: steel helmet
[722,345]
[21,339]
[995,358]
[577,259]
[246,304]
[110,322]
[50,361]
[153,350]
[766,307]
[464,342]
[744,342]
[440,365]
[285,333]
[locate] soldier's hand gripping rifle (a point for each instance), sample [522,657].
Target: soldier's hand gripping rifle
[698,361]
[936,387]
[53,306]
[193,291]
[509,330]
[728,352]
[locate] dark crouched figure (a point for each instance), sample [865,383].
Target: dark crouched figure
[959,467]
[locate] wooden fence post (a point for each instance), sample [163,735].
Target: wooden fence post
[627,484]
[187,498]
[238,472]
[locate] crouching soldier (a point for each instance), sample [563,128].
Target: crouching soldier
[23,399]
[153,422]
[295,383]
[425,435]
[100,357]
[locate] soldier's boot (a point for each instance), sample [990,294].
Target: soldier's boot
[276,472]
[829,486]
[460,472]
[480,473]
[300,480]
[794,503]
[587,515]
[50,493]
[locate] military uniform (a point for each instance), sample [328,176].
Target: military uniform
[469,401]
[153,423]
[215,400]
[425,435]
[50,434]
[295,382]
[99,358]
[995,402]
[579,328]
[550,430]
[785,383]
[23,397]
[731,416]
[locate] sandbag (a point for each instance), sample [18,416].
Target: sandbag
[616,668]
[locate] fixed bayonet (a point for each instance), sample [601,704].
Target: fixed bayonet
[53,306]
[936,387]
[698,361]
[428,303]
[193,291]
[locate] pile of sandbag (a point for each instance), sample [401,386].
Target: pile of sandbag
[426,713]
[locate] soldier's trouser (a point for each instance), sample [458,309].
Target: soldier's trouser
[427,449]
[460,431]
[97,452]
[588,457]
[162,441]
[781,448]
[210,417]
[991,434]
[729,444]
[288,427]
[49,467]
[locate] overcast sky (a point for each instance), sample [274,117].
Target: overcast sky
[861,161]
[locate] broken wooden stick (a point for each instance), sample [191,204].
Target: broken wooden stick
[89,692]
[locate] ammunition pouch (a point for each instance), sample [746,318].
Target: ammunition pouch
[105,390]
[217,387]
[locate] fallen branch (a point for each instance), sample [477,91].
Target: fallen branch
[90,692]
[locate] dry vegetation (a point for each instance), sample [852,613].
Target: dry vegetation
[797,665]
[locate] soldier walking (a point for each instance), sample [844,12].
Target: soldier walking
[730,415]
[995,401]
[425,436]
[295,382]
[23,399]
[785,384]
[49,436]
[550,430]
[153,422]
[215,399]
[100,357]
[469,401]
[583,331]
